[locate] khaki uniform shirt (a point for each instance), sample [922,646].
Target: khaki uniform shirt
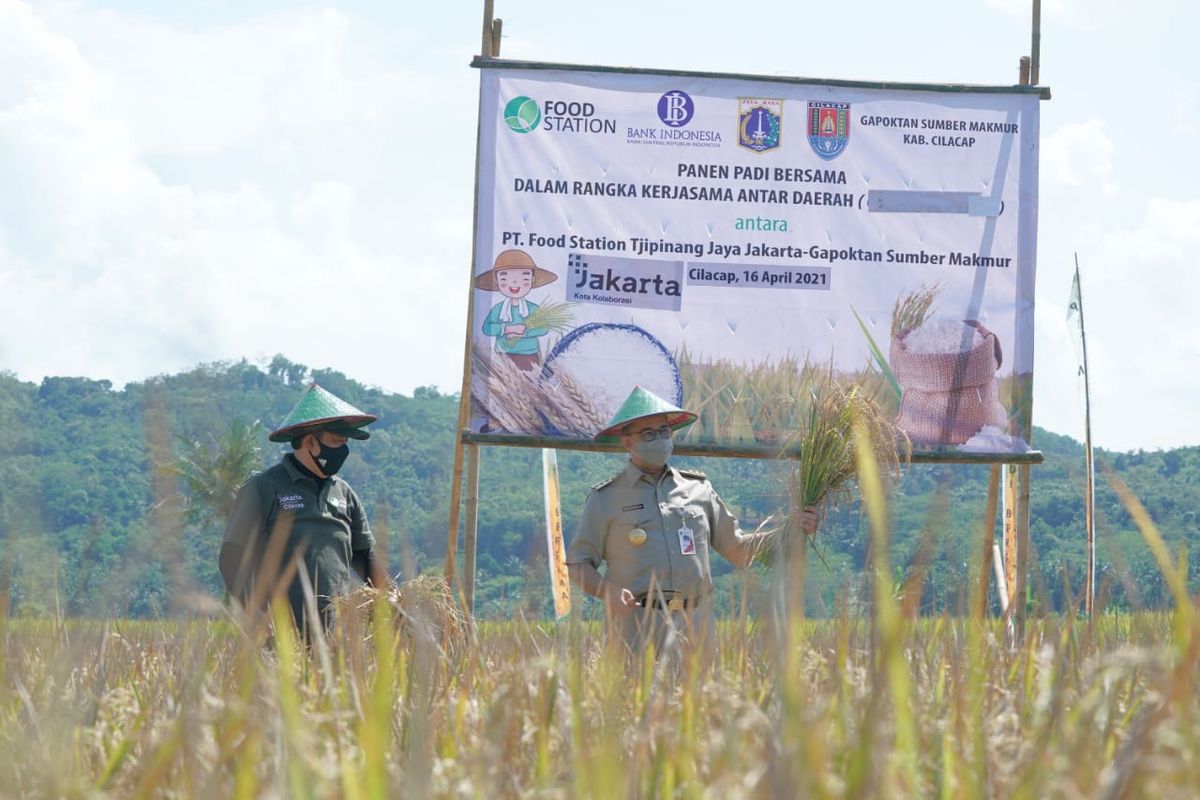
[619,511]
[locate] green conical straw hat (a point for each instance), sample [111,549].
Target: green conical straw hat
[639,404]
[322,410]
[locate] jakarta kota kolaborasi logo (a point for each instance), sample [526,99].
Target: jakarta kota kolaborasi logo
[522,114]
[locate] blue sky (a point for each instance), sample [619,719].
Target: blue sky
[189,182]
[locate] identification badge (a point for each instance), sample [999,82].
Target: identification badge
[687,541]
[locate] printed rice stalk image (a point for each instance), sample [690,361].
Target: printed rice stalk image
[761,402]
[827,464]
[911,310]
[517,401]
[554,317]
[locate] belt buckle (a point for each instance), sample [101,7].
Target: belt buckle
[676,604]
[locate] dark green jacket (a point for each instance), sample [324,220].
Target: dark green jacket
[280,516]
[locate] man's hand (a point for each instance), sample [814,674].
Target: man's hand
[618,601]
[809,519]
[516,329]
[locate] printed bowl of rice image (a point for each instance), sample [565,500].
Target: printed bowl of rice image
[605,361]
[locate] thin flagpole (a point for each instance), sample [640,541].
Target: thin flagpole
[1089,595]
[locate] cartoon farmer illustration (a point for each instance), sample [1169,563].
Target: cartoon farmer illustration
[514,276]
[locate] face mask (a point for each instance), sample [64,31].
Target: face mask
[656,453]
[330,459]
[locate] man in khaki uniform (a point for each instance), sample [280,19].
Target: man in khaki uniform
[653,527]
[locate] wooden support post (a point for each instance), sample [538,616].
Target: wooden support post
[1035,45]
[1019,591]
[1030,69]
[487,49]
[471,527]
[989,538]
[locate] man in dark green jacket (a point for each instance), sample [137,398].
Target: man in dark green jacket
[298,522]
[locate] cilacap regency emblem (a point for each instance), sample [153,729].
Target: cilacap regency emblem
[760,123]
[637,537]
[828,128]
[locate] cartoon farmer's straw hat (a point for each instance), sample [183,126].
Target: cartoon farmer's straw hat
[642,403]
[319,410]
[513,259]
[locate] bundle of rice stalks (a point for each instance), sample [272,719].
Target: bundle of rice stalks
[826,468]
[524,402]
[556,317]
[424,609]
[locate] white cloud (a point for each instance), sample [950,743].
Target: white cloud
[1140,285]
[175,196]
[1079,155]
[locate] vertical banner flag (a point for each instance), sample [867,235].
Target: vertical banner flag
[727,242]
[556,550]
[1009,487]
[1075,327]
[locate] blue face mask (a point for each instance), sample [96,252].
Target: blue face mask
[656,453]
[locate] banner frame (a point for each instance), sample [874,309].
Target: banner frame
[1042,92]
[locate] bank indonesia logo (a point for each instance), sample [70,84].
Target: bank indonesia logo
[760,123]
[828,128]
[675,109]
[522,114]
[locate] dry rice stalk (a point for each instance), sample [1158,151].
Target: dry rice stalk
[911,310]
[426,613]
[501,388]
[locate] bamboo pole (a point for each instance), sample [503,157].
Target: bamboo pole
[471,529]
[989,538]
[1022,579]
[1035,45]
[1029,75]
[464,397]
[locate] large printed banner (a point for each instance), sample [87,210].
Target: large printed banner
[730,244]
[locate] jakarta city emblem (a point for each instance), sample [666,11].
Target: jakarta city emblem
[760,123]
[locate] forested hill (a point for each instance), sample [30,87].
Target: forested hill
[112,500]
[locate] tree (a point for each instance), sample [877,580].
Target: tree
[213,472]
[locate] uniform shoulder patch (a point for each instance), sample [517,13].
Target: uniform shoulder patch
[598,486]
[692,473]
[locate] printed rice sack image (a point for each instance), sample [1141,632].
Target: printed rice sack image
[946,369]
